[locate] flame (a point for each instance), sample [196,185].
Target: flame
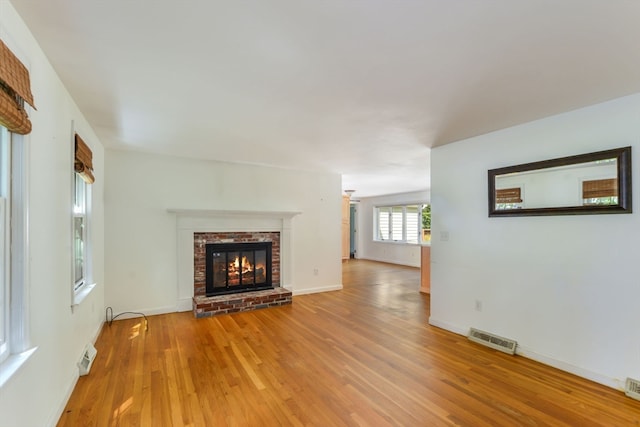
[236,266]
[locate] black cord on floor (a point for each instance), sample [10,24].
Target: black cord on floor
[109,317]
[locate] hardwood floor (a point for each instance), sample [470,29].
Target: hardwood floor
[363,356]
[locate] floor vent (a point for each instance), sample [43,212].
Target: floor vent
[497,343]
[632,388]
[87,359]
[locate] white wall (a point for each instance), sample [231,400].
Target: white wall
[141,236]
[565,287]
[395,253]
[36,394]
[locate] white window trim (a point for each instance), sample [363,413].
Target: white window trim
[5,249]
[20,348]
[80,293]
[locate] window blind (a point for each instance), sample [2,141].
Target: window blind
[384,227]
[508,195]
[15,89]
[83,164]
[396,223]
[600,188]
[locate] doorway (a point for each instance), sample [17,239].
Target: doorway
[352,230]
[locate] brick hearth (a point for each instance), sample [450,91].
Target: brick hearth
[204,306]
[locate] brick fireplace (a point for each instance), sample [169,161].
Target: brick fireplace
[207,304]
[197,228]
[202,240]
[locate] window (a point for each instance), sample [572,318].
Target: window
[426,223]
[384,224]
[15,91]
[402,223]
[82,178]
[412,220]
[14,331]
[79,232]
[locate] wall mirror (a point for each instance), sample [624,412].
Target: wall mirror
[592,183]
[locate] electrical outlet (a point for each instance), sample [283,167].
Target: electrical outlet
[478,305]
[315,271]
[444,236]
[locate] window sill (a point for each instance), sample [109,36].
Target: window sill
[82,293]
[13,363]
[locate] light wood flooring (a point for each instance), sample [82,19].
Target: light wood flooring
[363,356]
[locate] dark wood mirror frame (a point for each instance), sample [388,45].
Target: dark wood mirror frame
[623,157]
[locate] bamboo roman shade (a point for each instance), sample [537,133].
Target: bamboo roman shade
[83,164]
[15,89]
[508,195]
[600,188]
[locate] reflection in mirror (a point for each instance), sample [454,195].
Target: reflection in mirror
[589,183]
[575,185]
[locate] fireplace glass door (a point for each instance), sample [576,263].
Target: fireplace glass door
[234,267]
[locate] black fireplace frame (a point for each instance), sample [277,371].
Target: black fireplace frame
[211,248]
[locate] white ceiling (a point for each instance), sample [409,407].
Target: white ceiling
[358,87]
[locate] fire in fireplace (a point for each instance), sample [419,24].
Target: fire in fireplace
[237,267]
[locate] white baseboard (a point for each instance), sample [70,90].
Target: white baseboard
[448,326]
[596,377]
[317,290]
[388,261]
[53,420]
[130,314]
[184,304]
[55,417]
[572,369]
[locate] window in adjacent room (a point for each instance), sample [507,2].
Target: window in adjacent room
[426,223]
[401,223]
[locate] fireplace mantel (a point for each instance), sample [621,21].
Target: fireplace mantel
[221,213]
[189,221]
